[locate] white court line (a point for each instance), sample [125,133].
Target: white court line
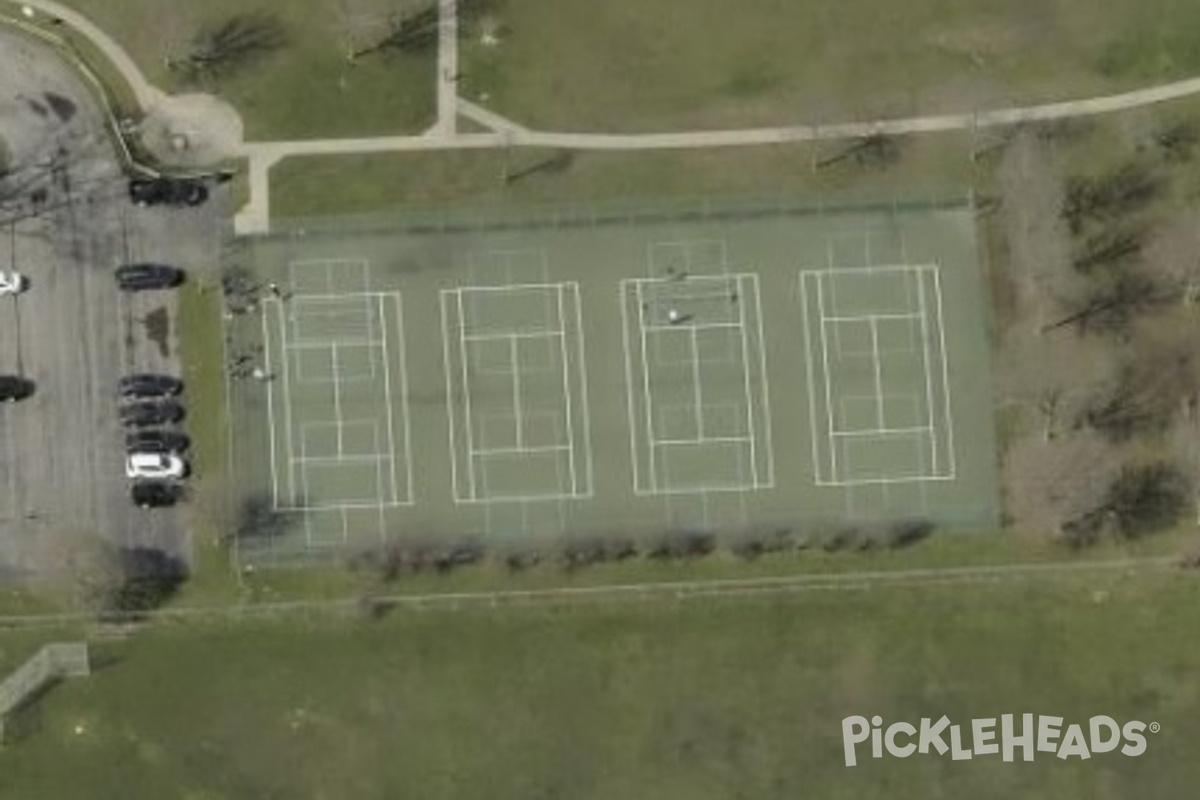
[443,299]
[646,387]
[697,399]
[742,300]
[692,280]
[504,287]
[877,360]
[889,481]
[884,431]
[768,440]
[518,414]
[833,465]
[949,415]
[387,393]
[403,401]
[469,421]
[270,410]
[491,337]
[514,451]
[809,357]
[855,271]
[925,365]
[326,263]
[622,292]
[337,399]
[325,344]
[688,326]
[583,390]
[334,460]
[701,440]
[379,475]
[869,317]
[332,297]
[305,492]
[287,401]
[566,375]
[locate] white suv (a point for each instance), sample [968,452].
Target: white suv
[154,465]
[11,283]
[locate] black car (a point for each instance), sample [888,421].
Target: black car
[155,494]
[150,412]
[167,192]
[136,277]
[156,441]
[14,387]
[148,385]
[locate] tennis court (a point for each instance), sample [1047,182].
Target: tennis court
[599,371]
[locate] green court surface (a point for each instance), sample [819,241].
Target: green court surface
[706,367]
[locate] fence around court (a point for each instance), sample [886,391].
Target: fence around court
[53,662]
[685,208]
[441,258]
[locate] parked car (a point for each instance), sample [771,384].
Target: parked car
[167,192]
[154,465]
[151,412]
[155,493]
[149,385]
[12,283]
[138,277]
[156,441]
[14,387]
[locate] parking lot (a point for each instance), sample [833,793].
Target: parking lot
[66,223]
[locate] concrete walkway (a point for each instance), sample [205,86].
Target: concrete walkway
[447,77]
[255,216]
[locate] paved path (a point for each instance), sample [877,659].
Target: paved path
[147,94]
[447,77]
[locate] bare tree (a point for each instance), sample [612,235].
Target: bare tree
[1110,247]
[1110,196]
[877,150]
[415,30]
[1178,141]
[231,44]
[1157,382]
[1113,305]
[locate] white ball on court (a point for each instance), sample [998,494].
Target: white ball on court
[27,11]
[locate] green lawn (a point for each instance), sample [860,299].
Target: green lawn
[657,65]
[307,89]
[321,185]
[720,699]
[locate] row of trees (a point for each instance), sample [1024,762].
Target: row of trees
[406,558]
[1127,304]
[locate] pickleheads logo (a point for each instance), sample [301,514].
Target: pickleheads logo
[1041,735]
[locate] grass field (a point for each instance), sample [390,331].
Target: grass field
[568,64]
[702,699]
[307,89]
[319,185]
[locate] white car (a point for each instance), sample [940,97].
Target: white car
[154,465]
[11,283]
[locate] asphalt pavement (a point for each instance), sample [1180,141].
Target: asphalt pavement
[66,223]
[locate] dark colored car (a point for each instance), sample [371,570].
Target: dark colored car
[167,192]
[137,277]
[156,441]
[155,494]
[148,385]
[151,412]
[14,387]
